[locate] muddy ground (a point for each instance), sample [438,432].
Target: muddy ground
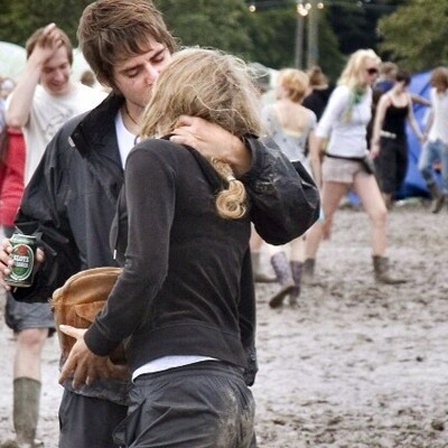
[355,365]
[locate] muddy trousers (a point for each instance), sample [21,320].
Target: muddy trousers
[203,405]
[86,422]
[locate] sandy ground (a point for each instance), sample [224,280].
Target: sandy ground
[355,365]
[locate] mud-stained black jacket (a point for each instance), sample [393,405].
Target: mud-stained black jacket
[71,199]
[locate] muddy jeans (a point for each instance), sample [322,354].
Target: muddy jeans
[203,405]
[434,151]
[88,422]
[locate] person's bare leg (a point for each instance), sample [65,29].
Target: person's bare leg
[369,193]
[331,197]
[372,201]
[332,194]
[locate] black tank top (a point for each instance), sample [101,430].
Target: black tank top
[395,120]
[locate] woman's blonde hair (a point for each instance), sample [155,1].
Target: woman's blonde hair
[214,86]
[353,75]
[295,82]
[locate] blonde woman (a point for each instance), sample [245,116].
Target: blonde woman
[291,126]
[347,162]
[182,232]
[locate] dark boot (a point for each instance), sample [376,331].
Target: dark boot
[283,272]
[308,271]
[26,410]
[381,271]
[438,198]
[296,269]
[259,275]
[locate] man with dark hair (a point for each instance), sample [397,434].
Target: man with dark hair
[72,198]
[43,100]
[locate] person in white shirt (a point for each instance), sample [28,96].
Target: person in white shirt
[45,96]
[347,162]
[43,100]
[436,146]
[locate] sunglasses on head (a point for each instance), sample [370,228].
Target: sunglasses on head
[372,71]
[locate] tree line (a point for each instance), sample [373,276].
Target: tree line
[412,33]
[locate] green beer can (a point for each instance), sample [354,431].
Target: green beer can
[23,254]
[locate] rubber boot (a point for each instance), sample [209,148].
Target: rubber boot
[15,444]
[438,198]
[283,272]
[308,271]
[258,274]
[26,411]
[381,271]
[296,269]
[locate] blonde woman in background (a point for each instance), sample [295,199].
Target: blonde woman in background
[291,126]
[347,163]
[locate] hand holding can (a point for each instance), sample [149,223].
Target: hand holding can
[23,256]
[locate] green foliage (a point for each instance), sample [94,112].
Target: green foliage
[20,18]
[349,23]
[415,35]
[213,23]
[273,34]
[330,58]
[268,35]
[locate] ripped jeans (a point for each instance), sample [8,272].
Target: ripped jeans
[434,151]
